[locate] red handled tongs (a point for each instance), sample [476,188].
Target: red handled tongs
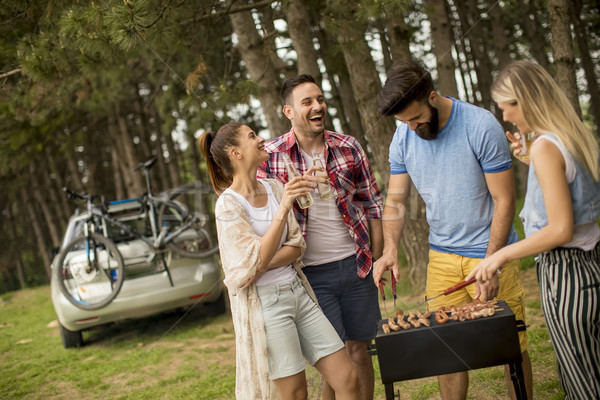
[451,290]
[393,293]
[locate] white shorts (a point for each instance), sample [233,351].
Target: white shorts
[296,328]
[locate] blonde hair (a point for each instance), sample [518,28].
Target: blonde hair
[546,109]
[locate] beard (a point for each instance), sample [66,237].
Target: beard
[429,130]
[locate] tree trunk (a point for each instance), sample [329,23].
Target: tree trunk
[133,184]
[61,204]
[475,32]
[399,35]
[442,47]
[37,231]
[531,26]
[343,97]
[117,177]
[261,70]
[562,49]
[298,21]
[267,24]
[142,128]
[170,169]
[16,253]
[461,48]
[195,160]
[366,85]
[43,205]
[587,63]
[499,33]
[74,172]
[20,271]
[385,44]
[415,239]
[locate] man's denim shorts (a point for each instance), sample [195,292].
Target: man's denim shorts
[349,302]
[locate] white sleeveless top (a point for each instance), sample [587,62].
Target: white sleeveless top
[585,236]
[261,218]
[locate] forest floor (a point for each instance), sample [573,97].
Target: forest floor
[192,356]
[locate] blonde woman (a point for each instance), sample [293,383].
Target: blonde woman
[560,215]
[276,319]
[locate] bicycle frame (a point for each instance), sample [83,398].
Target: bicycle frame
[160,237]
[158,240]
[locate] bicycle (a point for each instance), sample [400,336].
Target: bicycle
[90,269]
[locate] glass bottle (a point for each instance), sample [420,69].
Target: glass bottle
[303,201]
[325,191]
[526,142]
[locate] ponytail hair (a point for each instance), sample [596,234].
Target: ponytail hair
[214,147]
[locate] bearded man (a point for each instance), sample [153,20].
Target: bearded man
[458,158]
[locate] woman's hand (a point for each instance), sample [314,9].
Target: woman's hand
[487,276]
[515,143]
[296,187]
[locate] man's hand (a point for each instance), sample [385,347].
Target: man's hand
[310,176]
[386,262]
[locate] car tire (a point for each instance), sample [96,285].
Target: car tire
[70,338]
[218,306]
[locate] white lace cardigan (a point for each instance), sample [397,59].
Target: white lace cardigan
[239,247]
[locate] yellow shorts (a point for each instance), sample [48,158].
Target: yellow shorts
[447,269]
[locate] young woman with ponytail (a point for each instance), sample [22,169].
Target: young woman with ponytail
[277,321]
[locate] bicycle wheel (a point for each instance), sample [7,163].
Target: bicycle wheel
[188,218]
[90,271]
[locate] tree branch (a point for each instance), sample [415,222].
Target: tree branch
[159,16]
[231,10]
[9,73]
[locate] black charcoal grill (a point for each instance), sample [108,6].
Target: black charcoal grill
[451,347]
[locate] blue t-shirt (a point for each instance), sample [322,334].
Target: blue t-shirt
[449,172]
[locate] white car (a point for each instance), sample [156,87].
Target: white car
[153,284]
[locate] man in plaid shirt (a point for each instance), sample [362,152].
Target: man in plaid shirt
[343,235]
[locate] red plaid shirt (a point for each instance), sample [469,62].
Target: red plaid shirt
[358,197]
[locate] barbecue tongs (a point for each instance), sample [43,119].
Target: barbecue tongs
[383,293]
[451,290]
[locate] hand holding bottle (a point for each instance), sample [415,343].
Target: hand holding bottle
[304,200]
[326,192]
[296,188]
[520,143]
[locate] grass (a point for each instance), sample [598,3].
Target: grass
[175,356]
[181,356]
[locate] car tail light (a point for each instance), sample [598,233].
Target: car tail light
[87,320]
[200,295]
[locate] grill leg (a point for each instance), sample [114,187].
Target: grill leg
[389,391]
[518,380]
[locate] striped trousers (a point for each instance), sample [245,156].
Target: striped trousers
[569,282]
